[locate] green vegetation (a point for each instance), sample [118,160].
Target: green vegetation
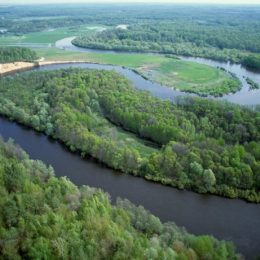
[43,217]
[120,59]
[253,85]
[11,54]
[188,77]
[203,145]
[47,37]
[252,62]
[191,77]
[230,33]
[181,38]
[207,146]
[182,75]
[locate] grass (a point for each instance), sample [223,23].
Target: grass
[191,77]
[144,147]
[189,72]
[127,60]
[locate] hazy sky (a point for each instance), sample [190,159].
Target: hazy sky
[130,1]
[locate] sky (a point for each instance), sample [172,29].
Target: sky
[130,1]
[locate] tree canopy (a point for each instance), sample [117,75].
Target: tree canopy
[43,217]
[195,143]
[12,54]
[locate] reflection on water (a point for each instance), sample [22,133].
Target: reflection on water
[243,97]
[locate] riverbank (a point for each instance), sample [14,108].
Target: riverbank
[7,68]
[10,68]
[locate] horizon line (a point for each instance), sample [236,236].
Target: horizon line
[134,3]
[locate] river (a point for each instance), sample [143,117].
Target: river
[228,219]
[245,96]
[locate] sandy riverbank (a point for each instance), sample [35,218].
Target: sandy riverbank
[15,66]
[8,68]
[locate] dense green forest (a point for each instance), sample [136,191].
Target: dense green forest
[12,54]
[204,145]
[222,32]
[191,39]
[43,217]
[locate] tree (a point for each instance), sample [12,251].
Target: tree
[209,179]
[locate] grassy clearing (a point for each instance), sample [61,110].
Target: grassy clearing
[144,147]
[189,72]
[191,77]
[125,138]
[128,60]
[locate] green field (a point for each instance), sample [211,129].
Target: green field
[128,60]
[182,75]
[191,77]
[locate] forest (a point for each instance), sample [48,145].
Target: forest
[199,144]
[222,33]
[44,217]
[219,42]
[12,54]
[99,123]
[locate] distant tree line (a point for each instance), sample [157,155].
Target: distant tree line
[219,33]
[218,42]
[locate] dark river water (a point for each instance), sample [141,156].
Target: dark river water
[227,219]
[244,97]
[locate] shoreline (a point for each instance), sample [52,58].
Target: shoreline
[10,68]
[7,68]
